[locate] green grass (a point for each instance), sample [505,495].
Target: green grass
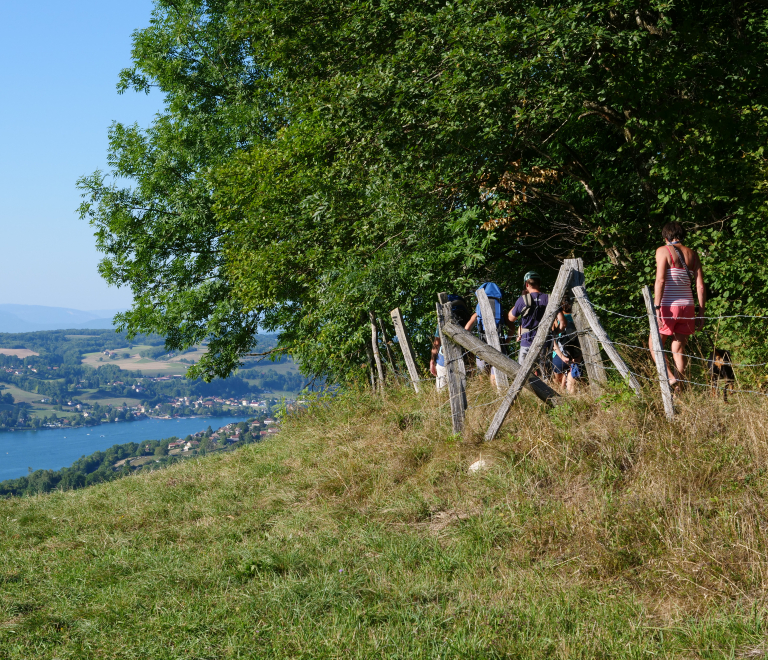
[598,531]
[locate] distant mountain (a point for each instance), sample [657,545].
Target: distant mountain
[31,318]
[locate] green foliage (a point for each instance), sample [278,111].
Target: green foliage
[316,160]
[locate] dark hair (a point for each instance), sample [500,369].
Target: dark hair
[567,308]
[535,282]
[673,231]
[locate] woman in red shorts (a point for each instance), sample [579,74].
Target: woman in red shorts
[676,268]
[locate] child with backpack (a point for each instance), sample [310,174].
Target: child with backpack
[437,368]
[566,354]
[494,294]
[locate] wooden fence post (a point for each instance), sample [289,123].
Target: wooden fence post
[610,349]
[386,345]
[491,333]
[553,307]
[658,351]
[405,346]
[369,353]
[375,346]
[590,349]
[503,364]
[454,361]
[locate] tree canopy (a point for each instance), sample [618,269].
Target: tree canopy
[316,160]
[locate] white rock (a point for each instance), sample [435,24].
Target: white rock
[481,464]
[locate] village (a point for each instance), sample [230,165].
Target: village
[226,438]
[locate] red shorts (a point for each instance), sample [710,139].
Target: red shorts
[677,320]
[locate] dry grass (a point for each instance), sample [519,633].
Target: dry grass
[598,530]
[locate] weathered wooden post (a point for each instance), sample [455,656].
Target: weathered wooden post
[375,346]
[454,363]
[503,364]
[491,332]
[658,352]
[369,353]
[553,307]
[590,349]
[405,346]
[610,349]
[386,345]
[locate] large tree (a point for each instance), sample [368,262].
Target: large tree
[320,159]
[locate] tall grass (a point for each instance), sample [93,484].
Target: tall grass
[598,530]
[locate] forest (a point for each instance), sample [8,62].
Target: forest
[320,160]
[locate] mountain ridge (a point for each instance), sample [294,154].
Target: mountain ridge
[34,318]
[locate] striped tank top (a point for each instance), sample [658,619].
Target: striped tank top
[677,289]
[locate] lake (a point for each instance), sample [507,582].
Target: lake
[53,449]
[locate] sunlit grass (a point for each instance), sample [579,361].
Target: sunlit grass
[599,531]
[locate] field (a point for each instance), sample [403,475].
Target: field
[597,530]
[147,366]
[109,401]
[18,352]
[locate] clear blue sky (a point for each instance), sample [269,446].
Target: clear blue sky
[60,65]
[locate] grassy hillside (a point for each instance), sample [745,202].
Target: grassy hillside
[598,531]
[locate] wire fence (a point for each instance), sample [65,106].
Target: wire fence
[698,372]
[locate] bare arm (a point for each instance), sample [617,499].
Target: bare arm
[560,353]
[701,293]
[661,277]
[471,322]
[436,343]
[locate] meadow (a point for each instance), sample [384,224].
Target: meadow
[596,530]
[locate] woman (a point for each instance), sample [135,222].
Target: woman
[566,354]
[677,267]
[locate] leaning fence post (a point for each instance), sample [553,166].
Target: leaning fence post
[491,333]
[454,361]
[590,349]
[497,359]
[375,346]
[385,339]
[405,346]
[586,308]
[658,352]
[553,307]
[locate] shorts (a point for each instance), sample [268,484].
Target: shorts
[560,367]
[481,367]
[679,319]
[442,376]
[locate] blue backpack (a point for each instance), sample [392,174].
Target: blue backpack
[494,294]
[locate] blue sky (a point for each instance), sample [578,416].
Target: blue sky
[60,64]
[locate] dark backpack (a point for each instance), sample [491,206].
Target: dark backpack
[530,304]
[459,309]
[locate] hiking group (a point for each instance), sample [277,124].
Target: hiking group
[678,272]
[565,360]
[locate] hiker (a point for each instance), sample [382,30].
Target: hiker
[566,354]
[437,367]
[437,362]
[530,308]
[678,269]
[494,297]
